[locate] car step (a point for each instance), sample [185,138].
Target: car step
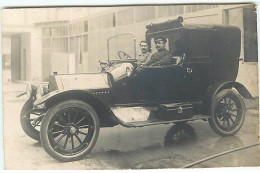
[157,121]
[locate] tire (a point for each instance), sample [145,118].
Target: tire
[26,124]
[69,121]
[227,112]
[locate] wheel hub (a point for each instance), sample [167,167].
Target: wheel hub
[72,130]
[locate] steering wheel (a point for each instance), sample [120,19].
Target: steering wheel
[123,55]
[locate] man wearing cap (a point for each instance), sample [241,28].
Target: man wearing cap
[144,57]
[162,56]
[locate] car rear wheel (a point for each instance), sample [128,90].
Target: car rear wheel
[30,121]
[69,130]
[227,112]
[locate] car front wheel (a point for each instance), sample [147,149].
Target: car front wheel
[227,112]
[30,121]
[69,130]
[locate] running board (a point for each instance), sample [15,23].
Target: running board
[157,121]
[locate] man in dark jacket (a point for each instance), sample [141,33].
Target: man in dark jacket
[162,56]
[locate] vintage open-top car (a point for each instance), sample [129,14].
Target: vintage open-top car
[67,114]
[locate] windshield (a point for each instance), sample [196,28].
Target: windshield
[121,47]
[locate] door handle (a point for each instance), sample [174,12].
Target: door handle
[189,70]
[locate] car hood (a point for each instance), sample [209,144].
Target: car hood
[79,81]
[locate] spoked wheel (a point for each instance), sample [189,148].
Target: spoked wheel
[31,120]
[227,112]
[69,130]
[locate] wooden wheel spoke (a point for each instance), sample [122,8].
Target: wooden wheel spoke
[84,126]
[81,120]
[235,115]
[233,109]
[231,105]
[57,132]
[57,124]
[60,139]
[31,119]
[78,139]
[83,133]
[232,120]
[229,101]
[72,142]
[224,123]
[221,118]
[62,119]
[225,100]
[68,114]
[75,118]
[65,143]
[228,124]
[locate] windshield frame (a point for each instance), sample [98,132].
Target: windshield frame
[134,39]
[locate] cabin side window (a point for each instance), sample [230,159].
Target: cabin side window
[173,44]
[198,45]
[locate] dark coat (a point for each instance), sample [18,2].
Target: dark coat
[159,58]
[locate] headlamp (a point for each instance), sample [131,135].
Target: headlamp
[39,91]
[29,90]
[129,71]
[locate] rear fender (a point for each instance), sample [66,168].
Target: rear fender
[106,116]
[214,89]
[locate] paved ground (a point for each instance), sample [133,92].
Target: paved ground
[140,148]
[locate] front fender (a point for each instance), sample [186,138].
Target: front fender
[106,116]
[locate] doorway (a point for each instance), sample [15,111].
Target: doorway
[15,57]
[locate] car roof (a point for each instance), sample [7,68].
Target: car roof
[175,24]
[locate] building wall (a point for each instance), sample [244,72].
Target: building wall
[36,55]
[25,56]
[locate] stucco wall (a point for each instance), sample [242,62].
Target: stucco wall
[26,56]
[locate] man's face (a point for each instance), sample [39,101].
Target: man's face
[144,47]
[160,45]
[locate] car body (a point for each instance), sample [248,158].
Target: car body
[201,86]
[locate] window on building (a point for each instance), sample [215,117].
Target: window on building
[85,26]
[170,10]
[181,9]
[162,11]
[72,44]
[85,43]
[46,43]
[46,32]
[194,8]
[77,28]
[59,45]
[95,23]
[207,7]
[60,31]
[125,17]
[188,8]
[144,13]
[201,7]
[109,20]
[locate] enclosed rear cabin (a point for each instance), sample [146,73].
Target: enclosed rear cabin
[212,51]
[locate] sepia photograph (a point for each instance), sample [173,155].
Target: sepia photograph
[150,86]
